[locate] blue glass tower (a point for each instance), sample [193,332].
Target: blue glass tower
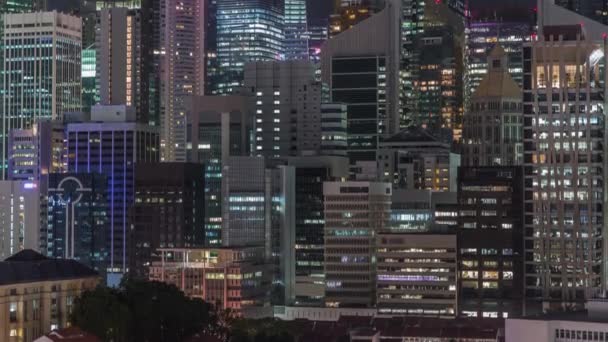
[247,31]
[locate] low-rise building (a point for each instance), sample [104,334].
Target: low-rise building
[584,325]
[37,294]
[234,278]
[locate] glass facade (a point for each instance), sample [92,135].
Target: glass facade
[113,149]
[480,38]
[411,27]
[490,242]
[296,31]
[209,152]
[594,9]
[309,241]
[77,219]
[41,76]
[90,92]
[361,83]
[247,31]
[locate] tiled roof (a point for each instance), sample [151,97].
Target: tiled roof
[29,266]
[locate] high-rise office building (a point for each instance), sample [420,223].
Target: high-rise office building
[361,67]
[41,78]
[168,211]
[593,9]
[564,128]
[121,60]
[413,211]
[354,213]
[348,16]
[19,217]
[334,129]
[318,14]
[412,26]
[77,219]
[112,144]
[309,260]
[287,102]
[414,159]
[247,31]
[490,242]
[258,209]
[296,30]
[437,99]
[35,152]
[493,122]
[90,89]
[18,6]
[481,37]
[212,71]
[218,127]
[416,274]
[182,70]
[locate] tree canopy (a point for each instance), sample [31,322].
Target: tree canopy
[142,311]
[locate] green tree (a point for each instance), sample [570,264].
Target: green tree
[142,311]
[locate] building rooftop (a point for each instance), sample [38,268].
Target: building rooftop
[72,334]
[29,266]
[497,82]
[571,316]
[412,134]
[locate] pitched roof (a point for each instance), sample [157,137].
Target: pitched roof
[29,266]
[412,134]
[497,82]
[71,334]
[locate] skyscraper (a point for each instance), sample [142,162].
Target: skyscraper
[258,209]
[493,121]
[355,212]
[490,241]
[168,211]
[218,127]
[90,90]
[247,31]
[112,145]
[437,85]
[77,219]
[18,6]
[287,102]
[35,152]
[296,30]
[593,9]
[480,38]
[309,259]
[412,16]
[19,217]
[182,67]
[41,78]
[564,129]
[361,67]
[121,60]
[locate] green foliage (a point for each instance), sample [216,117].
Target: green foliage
[142,311]
[264,330]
